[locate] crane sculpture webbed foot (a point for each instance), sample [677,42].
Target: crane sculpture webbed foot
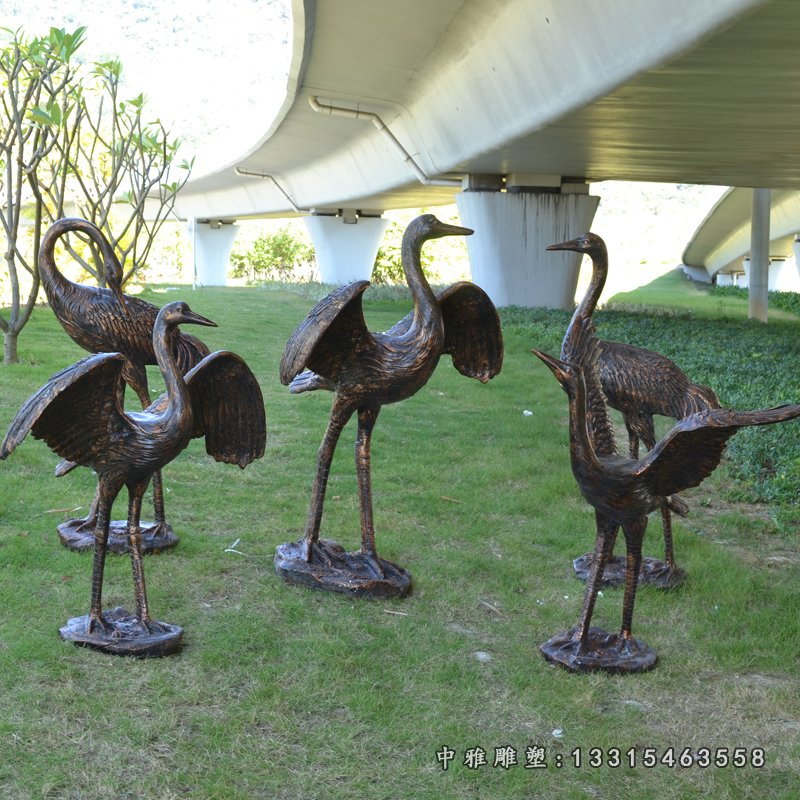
[121,633]
[98,625]
[330,567]
[607,652]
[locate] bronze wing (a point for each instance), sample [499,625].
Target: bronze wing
[691,451]
[228,408]
[78,412]
[472,334]
[327,334]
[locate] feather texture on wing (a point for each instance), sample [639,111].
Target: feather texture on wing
[85,395]
[326,334]
[472,334]
[228,408]
[691,451]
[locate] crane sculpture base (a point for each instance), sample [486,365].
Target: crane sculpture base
[334,570]
[653,572]
[128,638]
[75,534]
[606,652]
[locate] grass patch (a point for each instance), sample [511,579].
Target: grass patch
[286,693]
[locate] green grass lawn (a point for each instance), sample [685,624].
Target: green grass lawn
[674,292]
[281,692]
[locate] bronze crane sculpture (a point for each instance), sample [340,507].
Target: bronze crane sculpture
[79,413]
[332,349]
[104,320]
[639,383]
[623,491]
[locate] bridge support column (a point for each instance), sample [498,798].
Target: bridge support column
[507,252]
[212,242]
[759,256]
[346,242]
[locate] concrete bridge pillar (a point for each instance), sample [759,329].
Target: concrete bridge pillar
[212,242]
[759,256]
[346,242]
[514,219]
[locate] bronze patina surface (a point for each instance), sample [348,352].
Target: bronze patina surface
[623,491]
[79,413]
[333,349]
[104,320]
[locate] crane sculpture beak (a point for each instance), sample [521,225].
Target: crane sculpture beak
[444,229]
[556,366]
[572,244]
[195,319]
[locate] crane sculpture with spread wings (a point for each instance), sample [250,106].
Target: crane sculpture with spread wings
[79,414]
[623,491]
[333,349]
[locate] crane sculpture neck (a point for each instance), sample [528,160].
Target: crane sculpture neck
[599,256]
[582,451]
[426,308]
[178,401]
[52,278]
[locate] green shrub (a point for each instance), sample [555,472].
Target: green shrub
[785,301]
[273,256]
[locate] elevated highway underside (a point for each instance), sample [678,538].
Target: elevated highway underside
[416,100]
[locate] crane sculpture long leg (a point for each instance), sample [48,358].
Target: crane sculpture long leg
[118,631]
[148,624]
[323,563]
[333,350]
[366,422]
[159,536]
[95,619]
[310,546]
[75,533]
[584,648]
[670,575]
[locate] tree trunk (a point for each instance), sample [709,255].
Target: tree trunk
[10,348]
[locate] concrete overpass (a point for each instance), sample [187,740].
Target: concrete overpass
[720,247]
[512,107]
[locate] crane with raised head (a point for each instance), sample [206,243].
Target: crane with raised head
[79,413]
[106,320]
[333,349]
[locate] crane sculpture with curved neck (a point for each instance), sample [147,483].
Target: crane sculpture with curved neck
[79,413]
[332,349]
[639,383]
[106,320]
[622,492]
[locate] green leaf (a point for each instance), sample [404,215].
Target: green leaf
[39,116]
